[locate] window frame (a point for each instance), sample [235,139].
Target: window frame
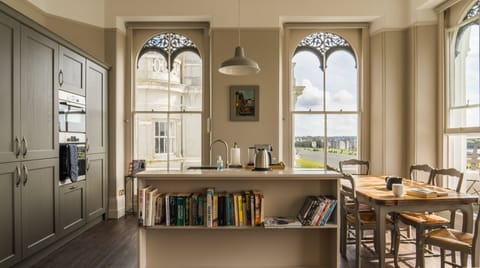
[357,35]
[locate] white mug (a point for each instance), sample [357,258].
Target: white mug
[397,189]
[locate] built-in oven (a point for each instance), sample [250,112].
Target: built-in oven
[72,137]
[72,112]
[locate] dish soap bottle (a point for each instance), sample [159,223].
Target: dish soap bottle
[219,163]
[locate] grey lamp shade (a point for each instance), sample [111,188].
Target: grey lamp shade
[239,64]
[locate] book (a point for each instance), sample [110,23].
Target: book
[209,206]
[235,209]
[159,210]
[141,203]
[150,206]
[425,193]
[331,209]
[241,220]
[281,222]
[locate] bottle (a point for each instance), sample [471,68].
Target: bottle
[219,163]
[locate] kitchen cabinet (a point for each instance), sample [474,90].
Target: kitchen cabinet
[10,250]
[71,75]
[39,204]
[96,108]
[96,183]
[39,108]
[9,89]
[72,206]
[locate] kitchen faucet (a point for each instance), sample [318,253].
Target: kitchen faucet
[226,151]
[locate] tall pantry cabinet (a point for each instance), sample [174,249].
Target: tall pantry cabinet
[36,211]
[29,141]
[96,98]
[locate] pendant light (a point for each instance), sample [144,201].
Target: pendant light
[239,64]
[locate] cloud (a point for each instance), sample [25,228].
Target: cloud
[312,97]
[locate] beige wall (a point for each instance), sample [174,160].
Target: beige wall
[87,37]
[263,46]
[423,95]
[115,52]
[389,89]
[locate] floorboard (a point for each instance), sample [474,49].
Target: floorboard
[113,243]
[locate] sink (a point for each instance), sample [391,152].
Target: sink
[202,167]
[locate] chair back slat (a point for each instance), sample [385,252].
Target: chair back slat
[433,180]
[363,166]
[414,169]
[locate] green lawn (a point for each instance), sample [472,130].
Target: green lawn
[307,163]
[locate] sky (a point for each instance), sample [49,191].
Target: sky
[341,93]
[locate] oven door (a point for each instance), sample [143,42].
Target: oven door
[71,117]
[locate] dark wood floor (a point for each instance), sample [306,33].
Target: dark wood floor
[113,243]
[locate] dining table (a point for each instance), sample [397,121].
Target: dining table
[372,190]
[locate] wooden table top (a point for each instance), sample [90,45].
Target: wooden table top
[374,188]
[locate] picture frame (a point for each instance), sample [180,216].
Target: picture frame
[244,102]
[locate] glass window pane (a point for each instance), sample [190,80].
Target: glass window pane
[463,154]
[307,92]
[466,77]
[342,133]
[184,142]
[465,117]
[341,82]
[309,141]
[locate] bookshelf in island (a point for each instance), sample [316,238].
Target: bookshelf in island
[233,243]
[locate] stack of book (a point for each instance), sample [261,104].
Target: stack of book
[208,208]
[317,210]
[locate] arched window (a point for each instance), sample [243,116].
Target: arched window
[168,102]
[325,101]
[462,105]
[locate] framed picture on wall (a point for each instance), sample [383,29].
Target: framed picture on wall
[244,103]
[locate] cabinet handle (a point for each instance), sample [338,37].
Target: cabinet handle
[87,145]
[60,78]
[25,146]
[17,147]
[88,164]
[25,171]
[19,177]
[73,187]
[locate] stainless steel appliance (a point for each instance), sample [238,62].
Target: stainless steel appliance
[263,157]
[72,137]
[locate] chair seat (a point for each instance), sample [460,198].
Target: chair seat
[366,219]
[450,237]
[422,218]
[361,208]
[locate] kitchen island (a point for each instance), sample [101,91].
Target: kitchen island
[284,192]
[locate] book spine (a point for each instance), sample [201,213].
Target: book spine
[241,221]
[235,209]
[209,205]
[194,209]
[228,210]
[167,209]
[201,210]
[215,214]
[173,210]
[180,211]
[252,209]
[329,213]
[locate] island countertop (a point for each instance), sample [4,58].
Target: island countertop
[236,173]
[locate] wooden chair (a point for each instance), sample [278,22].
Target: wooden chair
[455,240]
[426,221]
[361,167]
[352,217]
[422,168]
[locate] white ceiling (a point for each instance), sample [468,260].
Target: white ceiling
[254,13]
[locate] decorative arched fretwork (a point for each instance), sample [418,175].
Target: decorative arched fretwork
[169,43]
[324,44]
[473,11]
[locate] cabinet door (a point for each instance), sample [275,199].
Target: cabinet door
[71,76]
[39,107]
[40,220]
[9,89]
[72,206]
[96,108]
[10,250]
[96,186]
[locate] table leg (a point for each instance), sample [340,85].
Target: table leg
[380,235]
[468,227]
